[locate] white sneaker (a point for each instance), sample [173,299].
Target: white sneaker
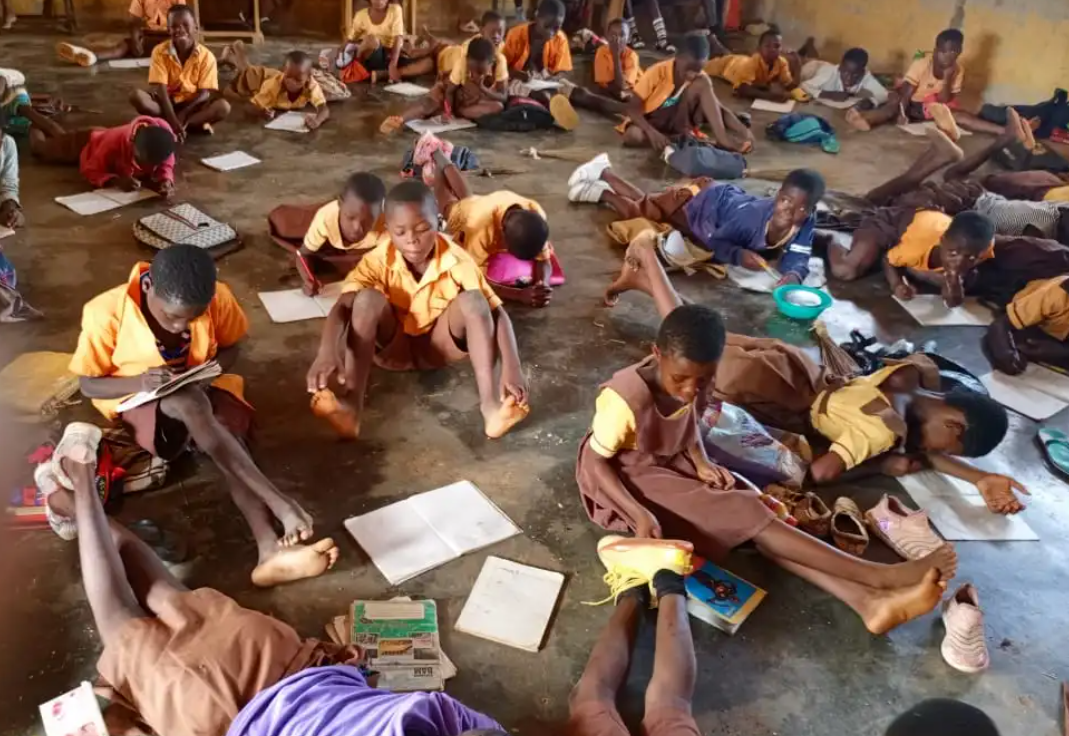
[964,647]
[590,171]
[588,191]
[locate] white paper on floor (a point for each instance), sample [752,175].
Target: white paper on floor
[1025,396]
[930,310]
[837,104]
[130,63]
[770,106]
[407,89]
[958,511]
[920,129]
[230,161]
[511,604]
[765,283]
[102,200]
[291,305]
[291,122]
[437,125]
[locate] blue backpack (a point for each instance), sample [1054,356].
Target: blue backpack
[800,127]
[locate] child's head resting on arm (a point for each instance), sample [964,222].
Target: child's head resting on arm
[770,46]
[182,27]
[492,28]
[182,285]
[525,233]
[964,243]
[412,221]
[853,66]
[961,422]
[481,57]
[948,47]
[692,56]
[296,71]
[360,205]
[797,197]
[687,352]
[549,17]
[152,146]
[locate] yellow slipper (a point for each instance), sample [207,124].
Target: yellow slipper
[563,113]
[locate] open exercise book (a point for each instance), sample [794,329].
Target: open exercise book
[410,537]
[206,372]
[400,639]
[291,305]
[511,604]
[1039,393]
[291,122]
[931,311]
[958,510]
[102,200]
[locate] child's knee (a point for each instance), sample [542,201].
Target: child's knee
[634,137]
[189,405]
[138,98]
[221,107]
[368,307]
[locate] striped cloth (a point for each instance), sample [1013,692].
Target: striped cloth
[1013,216]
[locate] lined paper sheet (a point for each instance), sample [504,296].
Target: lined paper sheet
[1021,396]
[230,161]
[958,510]
[291,122]
[511,604]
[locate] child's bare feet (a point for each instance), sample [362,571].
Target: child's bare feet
[1021,130]
[500,418]
[341,415]
[856,120]
[296,524]
[903,574]
[634,275]
[391,125]
[891,608]
[296,563]
[943,147]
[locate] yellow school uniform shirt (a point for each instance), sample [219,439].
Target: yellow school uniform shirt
[273,96]
[325,229]
[1057,194]
[116,340]
[418,304]
[153,12]
[605,67]
[921,74]
[388,32]
[858,419]
[614,427]
[556,54]
[739,70]
[1043,303]
[475,223]
[656,85]
[458,72]
[922,236]
[183,80]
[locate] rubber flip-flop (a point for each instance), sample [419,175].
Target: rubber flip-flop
[564,115]
[1055,446]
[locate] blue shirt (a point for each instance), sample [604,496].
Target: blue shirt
[725,220]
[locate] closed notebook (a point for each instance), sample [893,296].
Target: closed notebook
[511,604]
[719,597]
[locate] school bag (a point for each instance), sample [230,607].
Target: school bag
[799,127]
[518,118]
[184,224]
[697,158]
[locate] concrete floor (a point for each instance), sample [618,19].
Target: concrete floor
[803,664]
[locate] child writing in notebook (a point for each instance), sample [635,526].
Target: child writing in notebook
[643,468]
[418,301]
[293,89]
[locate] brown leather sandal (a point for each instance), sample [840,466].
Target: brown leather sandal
[813,515]
[847,527]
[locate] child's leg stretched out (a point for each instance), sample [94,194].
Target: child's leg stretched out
[941,152]
[642,271]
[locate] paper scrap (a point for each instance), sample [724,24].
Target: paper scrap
[130,63]
[958,511]
[438,125]
[1023,398]
[407,89]
[770,106]
[930,310]
[230,161]
[291,122]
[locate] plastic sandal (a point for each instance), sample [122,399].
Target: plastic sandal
[847,527]
[1055,446]
[813,515]
[79,443]
[907,532]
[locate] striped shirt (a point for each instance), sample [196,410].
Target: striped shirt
[1013,216]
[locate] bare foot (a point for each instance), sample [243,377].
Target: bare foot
[498,420]
[340,414]
[296,563]
[634,273]
[944,147]
[911,572]
[62,503]
[297,525]
[856,120]
[891,608]
[1022,131]
[391,125]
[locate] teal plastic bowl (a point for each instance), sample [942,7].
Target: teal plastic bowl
[801,302]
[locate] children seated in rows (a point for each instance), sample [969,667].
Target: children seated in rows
[506,234]
[183,80]
[128,157]
[171,316]
[765,75]
[418,301]
[643,468]
[375,44]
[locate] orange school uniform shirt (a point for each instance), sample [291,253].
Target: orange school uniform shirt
[475,223]
[388,32]
[325,229]
[657,85]
[116,340]
[1043,303]
[183,80]
[458,69]
[418,304]
[922,236]
[556,56]
[273,96]
[739,70]
[921,74]
[605,67]
[153,12]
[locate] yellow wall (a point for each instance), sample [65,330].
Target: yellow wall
[1015,50]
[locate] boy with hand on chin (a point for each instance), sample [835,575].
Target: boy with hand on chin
[183,79]
[419,301]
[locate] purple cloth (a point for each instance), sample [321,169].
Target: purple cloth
[337,701]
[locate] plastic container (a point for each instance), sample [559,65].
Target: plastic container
[801,302]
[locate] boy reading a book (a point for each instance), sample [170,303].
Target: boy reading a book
[507,235]
[183,80]
[169,317]
[643,468]
[129,157]
[895,421]
[419,301]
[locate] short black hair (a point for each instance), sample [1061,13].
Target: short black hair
[950,35]
[695,46]
[298,58]
[986,421]
[481,49]
[411,192]
[364,186]
[771,32]
[943,717]
[153,145]
[694,332]
[808,181]
[490,17]
[975,231]
[183,274]
[857,56]
[551,9]
[525,233]
[180,10]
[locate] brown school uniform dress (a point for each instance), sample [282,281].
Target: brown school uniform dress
[886,225]
[660,475]
[1029,185]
